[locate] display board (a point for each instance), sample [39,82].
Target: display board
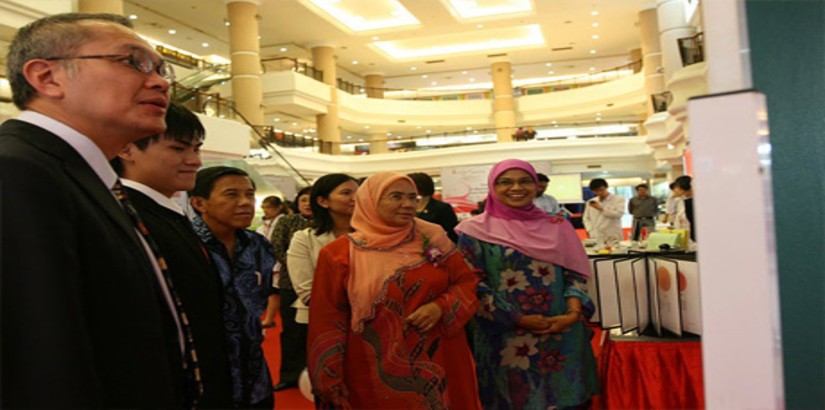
[566,188]
[635,291]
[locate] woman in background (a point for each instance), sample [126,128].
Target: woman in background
[333,200]
[293,335]
[532,349]
[389,303]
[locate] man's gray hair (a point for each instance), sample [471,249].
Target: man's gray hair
[52,36]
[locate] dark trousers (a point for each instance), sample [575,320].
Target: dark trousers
[293,340]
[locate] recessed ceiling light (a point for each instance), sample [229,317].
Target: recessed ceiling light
[294,124]
[434,83]
[554,122]
[469,128]
[354,62]
[472,80]
[548,64]
[133,17]
[360,140]
[424,76]
[361,90]
[592,51]
[398,137]
[475,131]
[598,119]
[595,36]
[389,134]
[595,25]
[551,72]
[594,13]
[172,31]
[598,114]
[413,68]
[480,26]
[349,137]
[283,49]
[277,120]
[226,23]
[592,68]
[429,131]
[375,38]
[204,44]
[670,146]
[418,127]
[366,127]
[463,72]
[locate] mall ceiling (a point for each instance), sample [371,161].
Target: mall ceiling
[448,41]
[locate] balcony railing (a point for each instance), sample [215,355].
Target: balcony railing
[429,141]
[211,104]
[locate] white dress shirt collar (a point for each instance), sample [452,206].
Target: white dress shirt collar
[84,146]
[156,196]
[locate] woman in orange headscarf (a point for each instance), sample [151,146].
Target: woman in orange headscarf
[389,304]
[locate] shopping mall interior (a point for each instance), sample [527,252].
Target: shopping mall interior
[633,91]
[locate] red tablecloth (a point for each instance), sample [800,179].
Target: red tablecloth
[649,374]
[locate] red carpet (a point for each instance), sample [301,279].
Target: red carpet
[286,399]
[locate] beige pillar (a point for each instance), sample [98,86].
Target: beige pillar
[672,26]
[100,6]
[378,144]
[375,85]
[503,105]
[636,55]
[323,58]
[651,55]
[245,52]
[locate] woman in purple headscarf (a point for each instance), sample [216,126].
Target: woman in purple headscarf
[532,349]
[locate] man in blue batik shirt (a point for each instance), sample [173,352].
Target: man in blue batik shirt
[224,199]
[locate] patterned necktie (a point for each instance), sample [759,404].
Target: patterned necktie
[190,363]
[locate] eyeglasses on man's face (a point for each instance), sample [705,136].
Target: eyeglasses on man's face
[140,59]
[399,197]
[508,183]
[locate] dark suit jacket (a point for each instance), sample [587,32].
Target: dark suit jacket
[199,287]
[441,213]
[83,321]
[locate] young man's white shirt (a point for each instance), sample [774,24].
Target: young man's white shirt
[606,223]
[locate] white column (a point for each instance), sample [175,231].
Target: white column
[727,52]
[673,25]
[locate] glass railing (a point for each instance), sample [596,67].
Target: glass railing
[561,84]
[291,64]
[429,141]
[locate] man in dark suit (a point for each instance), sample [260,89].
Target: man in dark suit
[431,209]
[87,320]
[153,170]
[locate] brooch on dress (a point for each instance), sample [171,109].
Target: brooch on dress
[430,252]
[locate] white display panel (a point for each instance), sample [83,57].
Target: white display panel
[566,188]
[731,155]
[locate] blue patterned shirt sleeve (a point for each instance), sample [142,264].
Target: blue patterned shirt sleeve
[575,286]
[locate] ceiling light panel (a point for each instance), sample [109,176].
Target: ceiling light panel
[496,40]
[359,16]
[488,9]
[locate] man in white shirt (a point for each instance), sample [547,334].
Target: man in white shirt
[544,201]
[603,214]
[86,319]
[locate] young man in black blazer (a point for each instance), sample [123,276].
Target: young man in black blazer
[86,316]
[153,170]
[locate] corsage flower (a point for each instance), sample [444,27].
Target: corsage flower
[430,252]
